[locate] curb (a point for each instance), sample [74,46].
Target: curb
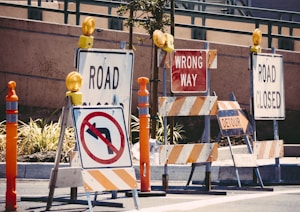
[221,171]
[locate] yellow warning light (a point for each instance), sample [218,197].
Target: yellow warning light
[256,38]
[74,83]
[88,27]
[165,41]
[159,38]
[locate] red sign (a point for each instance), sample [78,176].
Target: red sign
[189,71]
[102,137]
[97,133]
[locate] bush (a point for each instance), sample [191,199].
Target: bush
[38,136]
[178,132]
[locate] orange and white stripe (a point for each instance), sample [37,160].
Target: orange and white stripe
[268,149]
[245,160]
[212,61]
[109,179]
[75,159]
[188,153]
[228,105]
[188,106]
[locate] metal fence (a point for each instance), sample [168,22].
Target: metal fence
[193,9]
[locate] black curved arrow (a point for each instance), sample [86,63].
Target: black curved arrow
[103,131]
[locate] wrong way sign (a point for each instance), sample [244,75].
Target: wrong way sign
[102,137]
[189,70]
[106,74]
[268,87]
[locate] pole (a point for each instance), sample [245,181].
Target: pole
[165,176]
[207,131]
[276,137]
[11,146]
[143,104]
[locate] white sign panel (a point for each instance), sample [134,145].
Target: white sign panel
[106,74]
[102,137]
[268,87]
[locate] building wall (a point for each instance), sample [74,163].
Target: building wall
[39,55]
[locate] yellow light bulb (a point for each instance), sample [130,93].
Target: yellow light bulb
[159,38]
[256,38]
[73,81]
[88,26]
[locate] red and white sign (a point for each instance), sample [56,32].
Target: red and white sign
[189,71]
[102,137]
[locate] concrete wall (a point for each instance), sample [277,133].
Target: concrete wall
[39,55]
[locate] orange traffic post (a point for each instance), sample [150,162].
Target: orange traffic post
[143,104]
[11,146]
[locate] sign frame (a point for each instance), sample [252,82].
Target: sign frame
[268,86]
[94,144]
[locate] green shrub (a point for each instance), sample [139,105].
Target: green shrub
[178,132]
[38,136]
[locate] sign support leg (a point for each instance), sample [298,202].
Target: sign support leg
[52,185]
[256,168]
[236,170]
[135,198]
[88,196]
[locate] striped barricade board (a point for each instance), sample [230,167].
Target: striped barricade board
[268,149]
[187,106]
[232,120]
[75,159]
[109,179]
[245,160]
[188,153]
[68,177]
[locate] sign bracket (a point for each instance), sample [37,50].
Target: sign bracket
[53,177]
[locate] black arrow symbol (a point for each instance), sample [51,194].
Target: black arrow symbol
[103,131]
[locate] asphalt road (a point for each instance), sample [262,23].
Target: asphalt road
[282,198]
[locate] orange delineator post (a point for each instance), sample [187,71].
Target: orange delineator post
[11,146]
[143,104]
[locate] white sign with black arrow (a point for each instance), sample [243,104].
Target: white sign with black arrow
[102,137]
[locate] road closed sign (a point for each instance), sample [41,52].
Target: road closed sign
[268,87]
[102,137]
[106,74]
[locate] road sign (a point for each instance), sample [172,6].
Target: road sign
[106,73]
[189,70]
[232,120]
[102,137]
[268,87]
